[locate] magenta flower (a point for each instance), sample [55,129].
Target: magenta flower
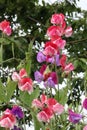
[85,103]
[74,117]
[17,111]
[5,27]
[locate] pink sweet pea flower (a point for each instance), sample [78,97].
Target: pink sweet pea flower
[58,108]
[15,77]
[63,61]
[45,115]
[36,103]
[51,49]
[68,68]
[5,27]
[57,19]
[68,31]
[55,106]
[59,42]
[53,31]
[43,98]
[22,73]
[85,103]
[8,120]
[42,116]
[26,84]
[85,128]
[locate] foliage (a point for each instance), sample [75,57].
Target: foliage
[29,22]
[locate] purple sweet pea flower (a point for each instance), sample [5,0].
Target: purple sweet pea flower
[17,111]
[41,57]
[85,103]
[16,128]
[49,83]
[53,60]
[74,117]
[38,76]
[57,60]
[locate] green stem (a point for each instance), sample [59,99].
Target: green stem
[13,50]
[1,49]
[57,79]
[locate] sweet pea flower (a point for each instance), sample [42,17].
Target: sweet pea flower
[68,31]
[74,117]
[41,57]
[7,120]
[63,61]
[5,27]
[39,103]
[17,76]
[85,103]
[17,111]
[45,115]
[85,128]
[68,68]
[57,19]
[50,49]
[60,43]
[36,103]
[26,84]
[38,76]
[56,107]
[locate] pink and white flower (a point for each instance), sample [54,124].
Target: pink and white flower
[68,31]
[26,84]
[7,120]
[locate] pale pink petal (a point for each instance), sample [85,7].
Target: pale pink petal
[36,103]
[43,98]
[58,108]
[68,31]
[42,116]
[85,128]
[15,76]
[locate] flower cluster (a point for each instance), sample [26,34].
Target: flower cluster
[49,78]
[9,118]
[52,52]
[24,82]
[48,108]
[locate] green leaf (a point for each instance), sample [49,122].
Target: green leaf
[27,98]
[37,125]
[29,58]
[62,96]
[2,128]
[2,92]
[10,88]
